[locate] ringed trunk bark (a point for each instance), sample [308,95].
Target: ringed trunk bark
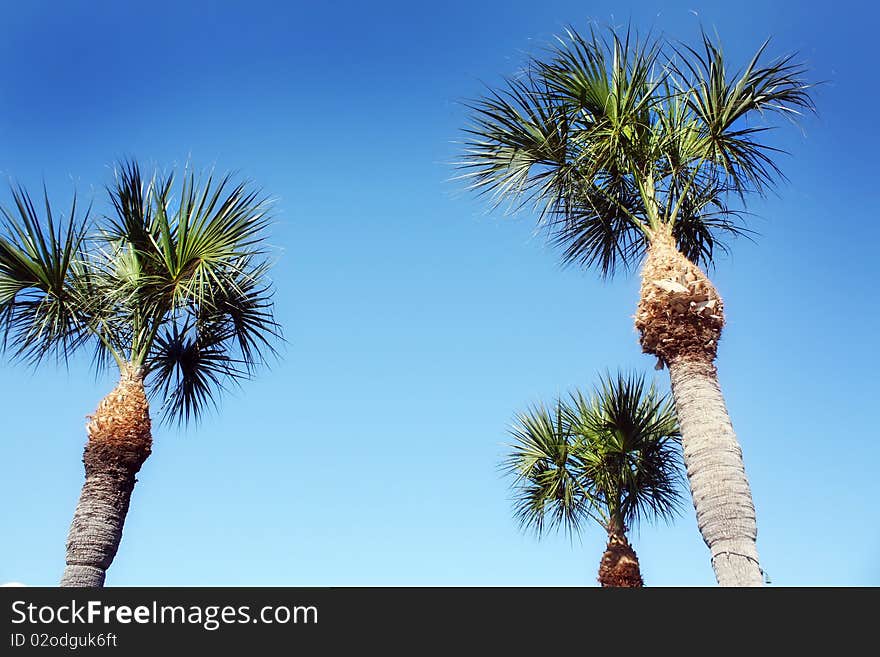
[680,318]
[119,441]
[712,455]
[620,565]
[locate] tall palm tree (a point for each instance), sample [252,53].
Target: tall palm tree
[171,288]
[613,458]
[634,150]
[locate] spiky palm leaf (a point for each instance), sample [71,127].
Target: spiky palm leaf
[611,457]
[546,471]
[41,308]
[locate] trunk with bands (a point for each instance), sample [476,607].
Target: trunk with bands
[712,455]
[680,318]
[119,441]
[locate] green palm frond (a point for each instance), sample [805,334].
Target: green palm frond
[704,221]
[609,87]
[719,102]
[602,230]
[210,228]
[41,309]
[548,491]
[188,368]
[613,454]
[516,149]
[105,330]
[131,198]
[240,310]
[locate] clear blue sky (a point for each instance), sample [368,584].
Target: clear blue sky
[417,322]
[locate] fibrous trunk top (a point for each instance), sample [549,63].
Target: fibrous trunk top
[120,430]
[620,565]
[680,314]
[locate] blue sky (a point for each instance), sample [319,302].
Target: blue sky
[418,323]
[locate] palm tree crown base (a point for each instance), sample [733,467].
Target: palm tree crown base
[680,313]
[620,565]
[120,430]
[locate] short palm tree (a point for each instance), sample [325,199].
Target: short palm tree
[613,458]
[171,288]
[641,150]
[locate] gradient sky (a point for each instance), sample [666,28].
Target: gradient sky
[417,322]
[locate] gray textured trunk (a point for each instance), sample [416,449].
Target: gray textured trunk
[715,470]
[96,528]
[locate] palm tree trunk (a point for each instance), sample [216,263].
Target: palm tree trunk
[717,476]
[119,441]
[620,565]
[680,319]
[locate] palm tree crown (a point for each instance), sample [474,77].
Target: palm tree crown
[170,285]
[613,457]
[614,138]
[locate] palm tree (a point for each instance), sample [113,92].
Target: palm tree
[614,458]
[629,148]
[171,288]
